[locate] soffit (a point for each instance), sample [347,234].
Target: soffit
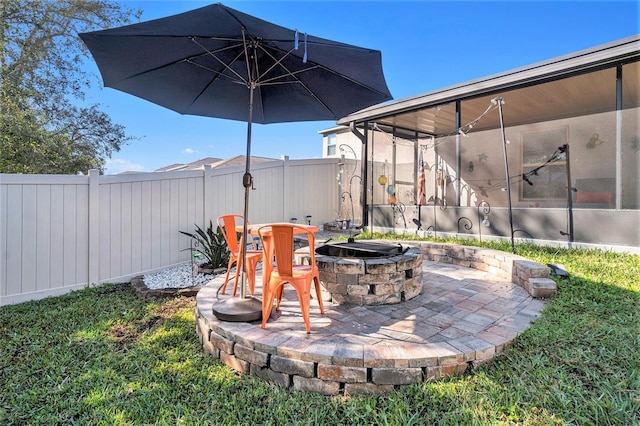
[536,93]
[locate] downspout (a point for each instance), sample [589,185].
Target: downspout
[619,107]
[364,170]
[458,152]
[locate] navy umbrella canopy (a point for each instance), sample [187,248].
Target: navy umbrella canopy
[218,62]
[204,62]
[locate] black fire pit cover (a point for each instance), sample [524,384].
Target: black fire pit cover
[361,249]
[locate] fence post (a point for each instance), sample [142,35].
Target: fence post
[94,226]
[286,189]
[207,190]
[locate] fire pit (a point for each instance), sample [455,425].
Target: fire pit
[360,249]
[369,273]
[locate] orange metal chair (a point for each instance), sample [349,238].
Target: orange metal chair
[277,241]
[227,224]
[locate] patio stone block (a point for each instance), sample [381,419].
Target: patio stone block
[292,366]
[237,364]
[324,265]
[339,373]
[336,288]
[225,345]
[432,373]
[330,277]
[349,266]
[384,299]
[254,357]
[374,278]
[366,389]
[461,262]
[347,279]
[380,266]
[453,369]
[541,287]
[383,289]
[316,385]
[281,379]
[359,290]
[210,349]
[396,376]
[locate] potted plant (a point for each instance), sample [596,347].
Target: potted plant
[211,245]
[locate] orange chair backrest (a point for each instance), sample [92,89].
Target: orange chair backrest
[283,248]
[227,224]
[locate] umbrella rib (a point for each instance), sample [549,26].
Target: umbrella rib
[293,74]
[213,55]
[289,73]
[218,74]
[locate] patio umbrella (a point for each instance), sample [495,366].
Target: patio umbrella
[218,62]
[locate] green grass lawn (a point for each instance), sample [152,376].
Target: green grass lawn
[104,356]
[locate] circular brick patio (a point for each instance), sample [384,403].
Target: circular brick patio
[463,318]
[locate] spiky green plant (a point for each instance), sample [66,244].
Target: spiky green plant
[210,244]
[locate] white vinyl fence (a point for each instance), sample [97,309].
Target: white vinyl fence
[59,233]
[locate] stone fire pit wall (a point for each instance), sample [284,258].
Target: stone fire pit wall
[371,281]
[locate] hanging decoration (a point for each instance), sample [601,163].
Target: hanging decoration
[594,141]
[391,190]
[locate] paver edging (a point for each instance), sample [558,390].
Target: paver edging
[314,368]
[520,270]
[316,363]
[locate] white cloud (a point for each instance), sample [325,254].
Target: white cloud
[113,166]
[189,151]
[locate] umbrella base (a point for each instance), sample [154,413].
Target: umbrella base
[236,309]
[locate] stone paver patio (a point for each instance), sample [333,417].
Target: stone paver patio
[464,317]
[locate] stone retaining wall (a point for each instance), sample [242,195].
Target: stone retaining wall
[527,274]
[331,364]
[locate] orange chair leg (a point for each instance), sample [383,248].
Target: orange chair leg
[303,298]
[267,303]
[319,294]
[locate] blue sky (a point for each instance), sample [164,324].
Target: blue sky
[426,45]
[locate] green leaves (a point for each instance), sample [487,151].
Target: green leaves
[210,244]
[44,125]
[104,356]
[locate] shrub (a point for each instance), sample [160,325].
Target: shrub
[211,245]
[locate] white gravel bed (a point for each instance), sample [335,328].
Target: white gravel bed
[176,277]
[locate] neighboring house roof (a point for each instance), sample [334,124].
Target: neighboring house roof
[238,160]
[169,168]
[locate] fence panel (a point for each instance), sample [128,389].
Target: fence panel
[59,232]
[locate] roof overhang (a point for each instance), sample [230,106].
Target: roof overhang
[414,109]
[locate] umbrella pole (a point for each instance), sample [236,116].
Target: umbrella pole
[247,182]
[243,309]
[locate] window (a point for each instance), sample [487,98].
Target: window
[331,145]
[544,174]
